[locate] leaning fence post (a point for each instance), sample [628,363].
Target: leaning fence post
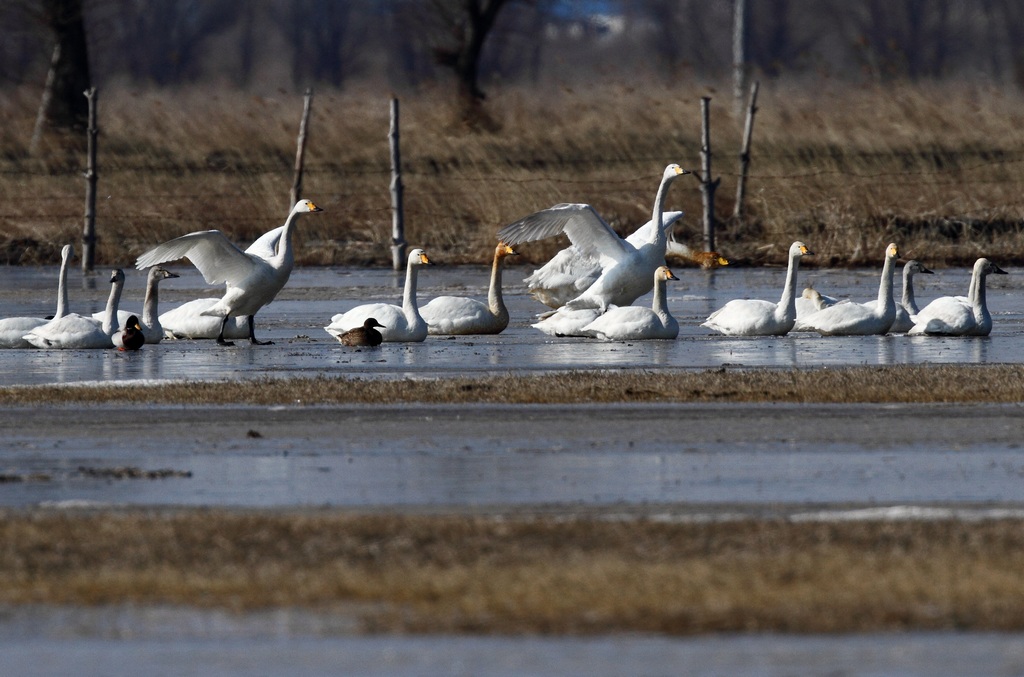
[707,186]
[397,216]
[89,234]
[300,153]
[748,132]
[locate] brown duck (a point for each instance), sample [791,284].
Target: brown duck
[132,337]
[367,335]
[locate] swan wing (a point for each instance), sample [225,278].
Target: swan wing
[645,233]
[265,246]
[747,317]
[948,315]
[584,227]
[209,251]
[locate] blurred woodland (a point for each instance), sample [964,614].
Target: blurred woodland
[878,119]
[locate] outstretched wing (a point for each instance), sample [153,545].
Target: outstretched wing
[585,228]
[213,254]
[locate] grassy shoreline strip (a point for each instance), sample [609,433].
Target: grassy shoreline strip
[945,383]
[475,574]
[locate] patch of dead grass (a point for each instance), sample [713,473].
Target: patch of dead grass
[849,385]
[528,574]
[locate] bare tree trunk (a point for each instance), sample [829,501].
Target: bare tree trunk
[748,133]
[300,152]
[62,105]
[91,177]
[739,52]
[397,215]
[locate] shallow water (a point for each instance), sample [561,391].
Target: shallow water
[295,322]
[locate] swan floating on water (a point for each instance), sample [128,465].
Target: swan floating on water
[960,315]
[907,307]
[859,319]
[13,329]
[399,323]
[627,268]
[458,315]
[634,323]
[755,317]
[253,277]
[73,331]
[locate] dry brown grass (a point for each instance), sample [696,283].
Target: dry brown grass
[528,574]
[935,168]
[921,383]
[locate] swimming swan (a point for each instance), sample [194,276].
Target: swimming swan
[567,321]
[253,278]
[907,308]
[400,323]
[448,315]
[859,319]
[960,315]
[13,329]
[150,325]
[78,331]
[633,323]
[572,270]
[627,269]
[754,317]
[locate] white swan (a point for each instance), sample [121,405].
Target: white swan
[253,278]
[401,323]
[448,315]
[627,270]
[188,321]
[633,323]
[811,301]
[567,321]
[572,270]
[907,308]
[150,324]
[13,329]
[859,319]
[78,331]
[754,317]
[960,315]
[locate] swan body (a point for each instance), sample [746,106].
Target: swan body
[634,323]
[811,301]
[573,270]
[567,321]
[627,269]
[755,317]
[252,278]
[365,335]
[74,331]
[859,319]
[13,329]
[907,307]
[399,323]
[150,325]
[960,315]
[188,321]
[448,315]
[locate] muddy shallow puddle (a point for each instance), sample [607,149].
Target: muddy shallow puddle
[296,319]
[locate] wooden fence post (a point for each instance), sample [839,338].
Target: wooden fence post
[89,234]
[398,243]
[300,153]
[707,186]
[748,133]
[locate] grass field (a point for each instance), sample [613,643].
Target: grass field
[936,169]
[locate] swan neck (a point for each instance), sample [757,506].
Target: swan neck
[284,246]
[788,301]
[149,306]
[495,302]
[62,290]
[885,286]
[110,320]
[976,294]
[908,292]
[409,296]
[658,215]
[660,304]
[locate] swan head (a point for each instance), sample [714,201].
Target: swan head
[914,266]
[157,273]
[503,250]
[117,276]
[67,253]
[674,170]
[305,206]
[892,251]
[986,267]
[798,249]
[418,257]
[664,273]
[811,294]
